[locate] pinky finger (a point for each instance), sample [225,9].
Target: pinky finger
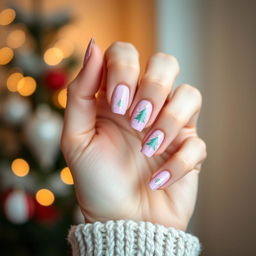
[191,154]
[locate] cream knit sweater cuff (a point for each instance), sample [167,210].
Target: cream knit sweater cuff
[128,237]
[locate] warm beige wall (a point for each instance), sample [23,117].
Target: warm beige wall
[226,209]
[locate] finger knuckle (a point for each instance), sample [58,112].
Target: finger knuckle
[130,65]
[176,119]
[202,147]
[170,59]
[156,82]
[185,164]
[124,45]
[192,91]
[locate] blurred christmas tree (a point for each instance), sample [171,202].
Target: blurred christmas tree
[37,203]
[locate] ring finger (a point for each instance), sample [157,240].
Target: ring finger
[184,104]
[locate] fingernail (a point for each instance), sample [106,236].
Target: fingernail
[153,143]
[88,51]
[120,99]
[141,115]
[159,180]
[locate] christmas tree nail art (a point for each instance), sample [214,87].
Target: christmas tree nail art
[120,99]
[157,181]
[160,179]
[120,103]
[141,115]
[153,143]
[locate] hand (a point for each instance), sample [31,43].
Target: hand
[103,148]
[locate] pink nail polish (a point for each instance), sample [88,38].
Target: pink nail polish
[159,180]
[120,99]
[88,51]
[153,143]
[141,115]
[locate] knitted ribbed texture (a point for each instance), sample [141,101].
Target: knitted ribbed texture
[128,238]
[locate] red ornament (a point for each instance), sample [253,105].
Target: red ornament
[46,214]
[56,79]
[18,206]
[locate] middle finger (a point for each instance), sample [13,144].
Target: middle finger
[153,90]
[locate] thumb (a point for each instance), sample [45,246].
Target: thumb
[80,113]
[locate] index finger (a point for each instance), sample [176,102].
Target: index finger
[122,63]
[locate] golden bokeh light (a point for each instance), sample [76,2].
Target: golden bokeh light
[66,47]
[45,197]
[62,98]
[26,86]
[66,176]
[7,16]
[20,167]
[16,38]
[12,81]
[53,56]
[6,55]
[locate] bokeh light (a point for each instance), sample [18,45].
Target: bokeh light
[12,81]
[16,38]
[20,167]
[45,197]
[53,56]
[7,16]
[62,98]
[66,176]
[65,46]
[6,55]
[26,86]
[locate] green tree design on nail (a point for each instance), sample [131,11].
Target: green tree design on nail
[141,116]
[153,143]
[120,103]
[157,180]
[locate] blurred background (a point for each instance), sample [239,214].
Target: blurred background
[42,44]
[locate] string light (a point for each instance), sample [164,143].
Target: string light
[16,38]
[45,197]
[62,98]
[66,176]
[12,81]
[7,16]
[26,86]
[6,55]
[20,167]
[53,56]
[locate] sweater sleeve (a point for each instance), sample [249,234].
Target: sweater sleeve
[128,238]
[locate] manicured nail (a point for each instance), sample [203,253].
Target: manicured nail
[88,51]
[153,143]
[159,180]
[120,99]
[141,115]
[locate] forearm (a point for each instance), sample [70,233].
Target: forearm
[127,237]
